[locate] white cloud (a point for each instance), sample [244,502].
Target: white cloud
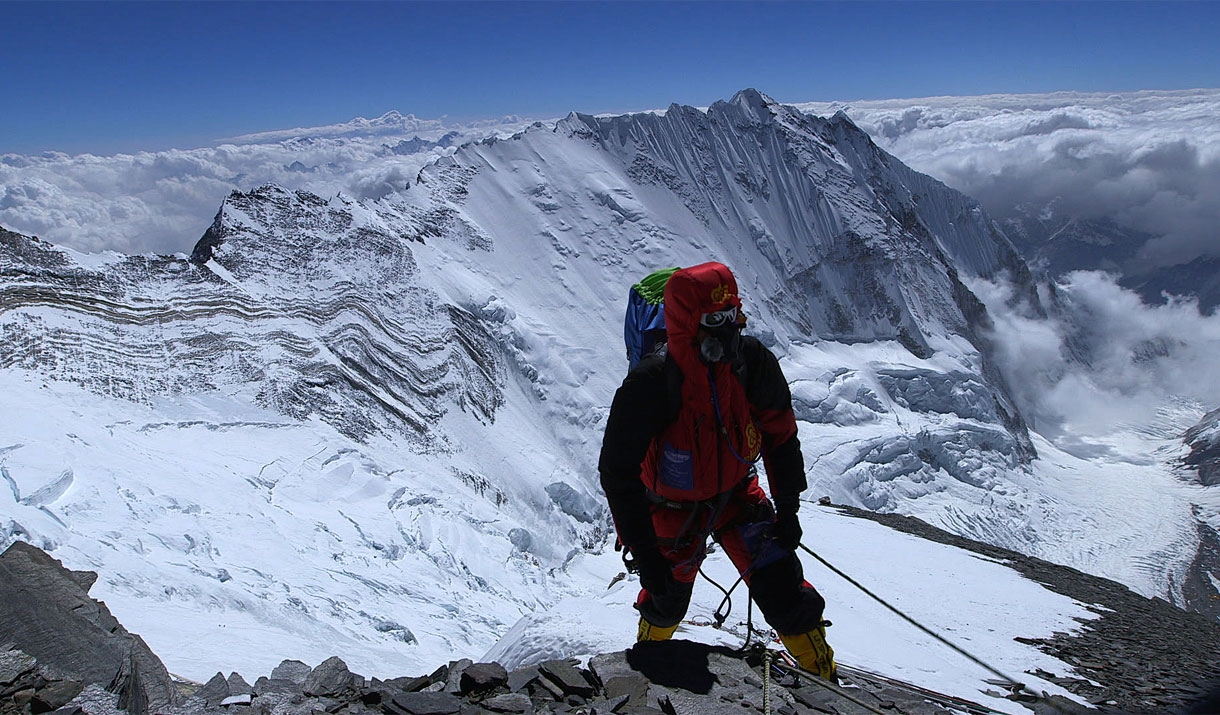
[162,202]
[389,124]
[1104,360]
[1151,160]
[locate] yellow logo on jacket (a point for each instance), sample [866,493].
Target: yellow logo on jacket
[753,442]
[722,294]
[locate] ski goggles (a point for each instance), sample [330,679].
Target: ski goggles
[719,318]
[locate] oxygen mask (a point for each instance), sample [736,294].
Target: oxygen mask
[721,336]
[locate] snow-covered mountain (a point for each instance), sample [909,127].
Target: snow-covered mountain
[1121,182]
[372,424]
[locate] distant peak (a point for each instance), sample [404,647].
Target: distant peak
[841,116]
[391,117]
[751,98]
[749,102]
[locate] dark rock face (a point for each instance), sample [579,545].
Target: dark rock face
[47,615]
[482,677]
[215,690]
[293,670]
[331,678]
[1204,442]
[423,704]
[1200,587]
[23,684]
[1199,278]
[568,677]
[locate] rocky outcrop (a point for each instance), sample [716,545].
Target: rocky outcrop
[677,678]
[66,653]
[1204,442]
[58,640]
[61,651]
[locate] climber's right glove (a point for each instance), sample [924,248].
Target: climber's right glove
[656,576]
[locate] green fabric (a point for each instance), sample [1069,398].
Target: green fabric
[652,287]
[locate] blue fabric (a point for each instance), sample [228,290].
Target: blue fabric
[641,317]
[677,469]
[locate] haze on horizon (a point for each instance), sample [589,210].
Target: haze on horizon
[106,78]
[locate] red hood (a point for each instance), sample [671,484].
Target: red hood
[691,292]
[715,410]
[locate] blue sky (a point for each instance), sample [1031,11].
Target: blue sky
[105,77]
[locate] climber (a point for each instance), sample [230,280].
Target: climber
[677,463]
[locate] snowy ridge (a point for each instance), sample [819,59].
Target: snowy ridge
[603,192]
[1120,182]
[232,405]
[375,422]
[134,317]
[823,209]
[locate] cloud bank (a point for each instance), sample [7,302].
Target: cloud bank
[162,202]
[1104,361]
[1148,160]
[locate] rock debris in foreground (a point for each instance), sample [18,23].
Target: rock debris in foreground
[49,628]
[46,612]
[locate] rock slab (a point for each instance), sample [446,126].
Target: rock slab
[46,612]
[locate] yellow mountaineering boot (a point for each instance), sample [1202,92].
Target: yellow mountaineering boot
[649,632]
[813,652]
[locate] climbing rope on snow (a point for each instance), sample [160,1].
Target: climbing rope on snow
[1012,684]
[720,615]
[1015,687]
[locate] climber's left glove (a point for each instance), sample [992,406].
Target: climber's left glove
[787,528]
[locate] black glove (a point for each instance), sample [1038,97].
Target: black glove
[655,574]
[787,528]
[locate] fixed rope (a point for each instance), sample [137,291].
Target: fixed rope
[721,614]
[814,678]
[821,682]
[1013,684]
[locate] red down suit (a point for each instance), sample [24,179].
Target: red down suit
[678,454]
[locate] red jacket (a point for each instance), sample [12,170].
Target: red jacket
[687,431]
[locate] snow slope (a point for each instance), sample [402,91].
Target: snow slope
[371,424]
[976,603]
